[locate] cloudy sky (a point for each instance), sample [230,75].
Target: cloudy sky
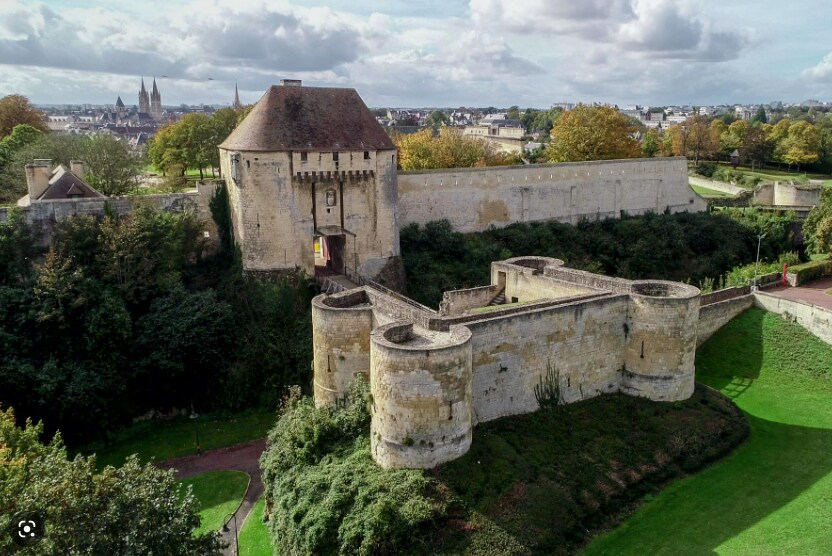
[421,53]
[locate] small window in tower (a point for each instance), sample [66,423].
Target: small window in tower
[366,155]
[334,157]
[330,198]
[303,157]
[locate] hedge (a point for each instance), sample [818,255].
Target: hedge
[806,272]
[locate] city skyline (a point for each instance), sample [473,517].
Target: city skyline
[477,53]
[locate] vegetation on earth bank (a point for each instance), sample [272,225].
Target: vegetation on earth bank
[531,484]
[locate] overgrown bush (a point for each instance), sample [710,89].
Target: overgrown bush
[325,493]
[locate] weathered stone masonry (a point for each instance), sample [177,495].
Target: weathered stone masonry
[435,375]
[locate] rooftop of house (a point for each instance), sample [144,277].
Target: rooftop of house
[66,185]
[296,118]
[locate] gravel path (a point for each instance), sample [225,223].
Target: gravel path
[243,457]
[813,293]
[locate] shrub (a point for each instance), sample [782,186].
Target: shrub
[326,494]
[706,168]
[810,271]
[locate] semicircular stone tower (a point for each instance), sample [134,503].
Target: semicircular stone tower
[341,327]
[422,400]
[661,334]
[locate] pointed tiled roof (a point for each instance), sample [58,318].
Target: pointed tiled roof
[309,119]
[65,185]
[119,103]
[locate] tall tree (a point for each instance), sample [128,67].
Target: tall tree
[592,133]
[696,139]
[16,110]
[113,166]
[801,145]
[651,144]
[21,136]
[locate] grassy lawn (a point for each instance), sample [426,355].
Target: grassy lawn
[774,494]
[159,440]
[254,537]
[218,493]
[773,174]
[705,192]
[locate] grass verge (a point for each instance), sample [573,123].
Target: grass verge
[161,440]
[772,495]
[254,537]
[707,192]
[218,494]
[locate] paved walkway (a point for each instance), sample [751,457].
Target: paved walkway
[243,457]
[813,293]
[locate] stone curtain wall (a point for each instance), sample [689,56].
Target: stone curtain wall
[583,342]
[714,316]
[44,214]
[816,320]
[473,199]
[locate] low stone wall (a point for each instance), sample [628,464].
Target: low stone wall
[715,315]
[816,320]
[44,214]
[458,301]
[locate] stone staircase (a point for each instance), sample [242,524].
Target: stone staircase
[499,299]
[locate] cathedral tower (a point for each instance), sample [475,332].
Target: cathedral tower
[144,100]
[155,103]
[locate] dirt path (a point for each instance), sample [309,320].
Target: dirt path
[243,457]
[813,293]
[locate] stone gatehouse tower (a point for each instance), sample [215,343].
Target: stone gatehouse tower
[311,177]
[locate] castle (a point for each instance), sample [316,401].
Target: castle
[313,185]
[561,332]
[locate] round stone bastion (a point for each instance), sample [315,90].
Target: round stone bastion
[661,340]
[421,395]
[341,326]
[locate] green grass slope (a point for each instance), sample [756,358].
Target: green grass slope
[218,494]
[774,494]
[539,483]
[254,537]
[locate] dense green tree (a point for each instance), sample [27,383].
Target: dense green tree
[437,118]
[760,116]
[817,229]
[16,110]
[21,136]
[651,144]
[134,509]
[113,167]
[18,248]
[592,133]
[513,113]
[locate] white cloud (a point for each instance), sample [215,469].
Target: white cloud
[822,71]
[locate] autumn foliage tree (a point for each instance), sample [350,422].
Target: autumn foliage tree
[695,138]
[592,133]
[450,149]
[16,110]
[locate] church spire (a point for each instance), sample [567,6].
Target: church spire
[237,103]
[143,90]
[155,92]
